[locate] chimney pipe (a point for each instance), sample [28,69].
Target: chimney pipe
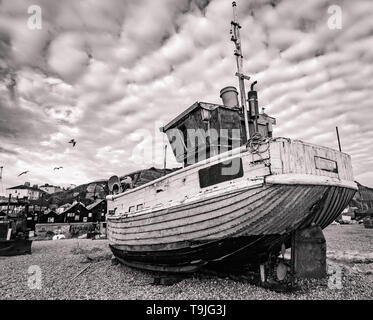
[253,104]
[253,101]
[229,95]
[252,85]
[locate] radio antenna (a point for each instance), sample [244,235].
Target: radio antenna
[165,159]
[339,141]
[235,32]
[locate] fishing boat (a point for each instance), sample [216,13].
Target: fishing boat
[240,196]
[14,234]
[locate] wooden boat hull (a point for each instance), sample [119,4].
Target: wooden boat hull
[252,224]
[15,247]
[180,223]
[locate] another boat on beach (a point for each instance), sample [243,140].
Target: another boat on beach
[14,234]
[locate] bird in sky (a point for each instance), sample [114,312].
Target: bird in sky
[57,168]
[73,142]
[24,172]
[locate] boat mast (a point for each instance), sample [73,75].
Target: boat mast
[235,31]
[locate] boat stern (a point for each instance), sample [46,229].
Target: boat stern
[297,162]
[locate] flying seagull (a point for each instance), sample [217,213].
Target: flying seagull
[73,142]
[24,172]
[57,168]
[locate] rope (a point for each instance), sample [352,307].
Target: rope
[254,145]
[255,142]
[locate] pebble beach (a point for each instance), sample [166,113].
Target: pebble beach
[81,269]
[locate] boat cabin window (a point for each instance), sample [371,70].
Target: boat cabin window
[220,172]
[131,209]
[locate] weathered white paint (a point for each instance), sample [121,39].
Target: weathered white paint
[183,187]
[297,157]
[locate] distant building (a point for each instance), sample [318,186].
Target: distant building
[363,201]
[25,191]
[51,216]
[77,212]
[50,189]
[365,195]
[97,211]
[62,208]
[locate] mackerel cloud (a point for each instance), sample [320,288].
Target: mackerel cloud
[110,73]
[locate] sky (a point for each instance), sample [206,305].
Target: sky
[110,73]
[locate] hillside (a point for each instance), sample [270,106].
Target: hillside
[87,193]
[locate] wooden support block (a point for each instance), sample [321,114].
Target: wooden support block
[309,253]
